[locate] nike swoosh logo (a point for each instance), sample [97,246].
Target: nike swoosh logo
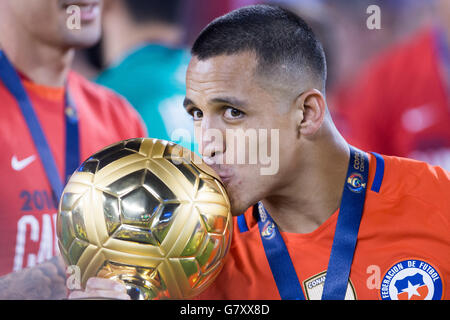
[22,164]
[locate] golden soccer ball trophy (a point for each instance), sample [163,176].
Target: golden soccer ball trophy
[149,213]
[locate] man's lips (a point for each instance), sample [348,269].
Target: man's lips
[225,179]
[224,174]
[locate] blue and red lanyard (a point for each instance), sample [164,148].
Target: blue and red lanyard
[344,242]
[13,83]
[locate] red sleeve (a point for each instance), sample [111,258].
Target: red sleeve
[131,122]
[105,116]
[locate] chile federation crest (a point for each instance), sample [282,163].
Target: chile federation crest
[412,280]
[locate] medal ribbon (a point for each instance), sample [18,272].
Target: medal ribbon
[344,242]
[13,83]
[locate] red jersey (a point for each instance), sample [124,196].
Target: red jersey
[402,250]
[400,104]
[27,211]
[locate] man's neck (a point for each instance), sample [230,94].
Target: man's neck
[315,193]
[42,63]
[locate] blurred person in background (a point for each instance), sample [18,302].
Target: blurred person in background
[198,13]
[141,46]
[349,44]
[400,103]
[52,119]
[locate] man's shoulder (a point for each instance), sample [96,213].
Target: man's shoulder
[103,103]
[407,178]
[411,211]
[414,174]
[99,98]
[415,169]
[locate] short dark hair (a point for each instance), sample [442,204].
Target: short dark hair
[275,34]
[167,11]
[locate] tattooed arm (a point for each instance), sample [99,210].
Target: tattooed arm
[45,281]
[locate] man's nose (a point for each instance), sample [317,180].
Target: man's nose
[212,142]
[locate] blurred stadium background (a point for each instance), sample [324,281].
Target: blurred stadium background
[387,92]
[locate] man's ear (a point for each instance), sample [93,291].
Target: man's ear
[311,108]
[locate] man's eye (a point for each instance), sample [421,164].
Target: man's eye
[232,113]
[196,114]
